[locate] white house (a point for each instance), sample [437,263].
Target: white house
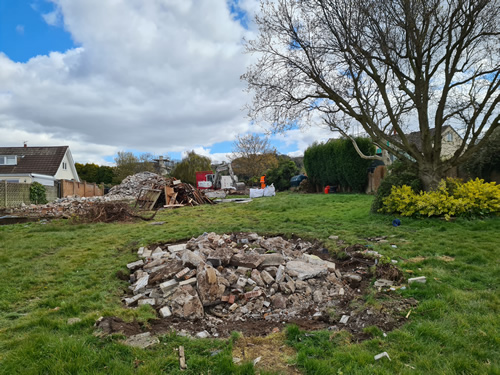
[37,164]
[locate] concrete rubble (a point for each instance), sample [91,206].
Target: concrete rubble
[234,278]
[127,191]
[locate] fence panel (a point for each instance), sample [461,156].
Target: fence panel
[81,189]
[14,194]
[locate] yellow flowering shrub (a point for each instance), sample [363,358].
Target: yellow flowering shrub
[452,198]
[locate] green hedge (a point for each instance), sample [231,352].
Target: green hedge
[337,163]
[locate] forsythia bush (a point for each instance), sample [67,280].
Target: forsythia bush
[452,198]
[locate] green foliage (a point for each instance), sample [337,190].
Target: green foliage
[38,193]
[251,156]
[399,174]
[337,163]
[487,159]
[128,164]
[280,175]
[452,198]
[94,173]
[190,164]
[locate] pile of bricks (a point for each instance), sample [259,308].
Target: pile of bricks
[235,277]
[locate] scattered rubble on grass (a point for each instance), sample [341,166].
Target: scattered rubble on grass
[114,206]
[382,355]
[215,284]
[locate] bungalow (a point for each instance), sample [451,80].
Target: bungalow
[37,164]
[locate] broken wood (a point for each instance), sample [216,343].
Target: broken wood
[147,198]
[182,358]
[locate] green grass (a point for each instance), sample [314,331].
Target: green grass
[50,273]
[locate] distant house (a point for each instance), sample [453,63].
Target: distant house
[451,141]
[37,164]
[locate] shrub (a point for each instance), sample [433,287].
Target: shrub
[280,176]
[451,198]
[399,174]
[38,193]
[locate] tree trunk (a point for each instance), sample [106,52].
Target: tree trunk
[430,177]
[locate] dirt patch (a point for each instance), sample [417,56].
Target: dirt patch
[111,325]
[389,272]
[268,353]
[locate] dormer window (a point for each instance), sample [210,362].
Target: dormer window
[8,160]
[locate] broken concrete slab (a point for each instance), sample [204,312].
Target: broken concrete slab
[210,290]
[134,265]
[185,303]
[266,277]
[141,284]
[420,279]
[168,285]
[177,248]
[165,312]
[249,261]
[344,319]
[191,259]
[130,301]
[191,281]
[147,301]
[142,340]
[272,260]
[303,270]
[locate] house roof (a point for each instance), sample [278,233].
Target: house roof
[40,160]
[416,139]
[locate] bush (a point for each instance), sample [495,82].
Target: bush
[281,175]
[37,193]
[452,198]
[399,174]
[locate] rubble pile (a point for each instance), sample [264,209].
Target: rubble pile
[181,194]
[60,208]
[132,185]
[221,278]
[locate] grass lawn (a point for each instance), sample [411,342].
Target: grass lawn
[55,271]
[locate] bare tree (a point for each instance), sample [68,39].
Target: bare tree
[387,65]
[253,155]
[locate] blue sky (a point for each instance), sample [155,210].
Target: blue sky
[151,76]
[24,33]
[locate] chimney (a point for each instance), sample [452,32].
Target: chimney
[25,144]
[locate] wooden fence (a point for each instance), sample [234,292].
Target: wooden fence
[81,189]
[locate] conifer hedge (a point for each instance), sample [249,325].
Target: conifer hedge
[336,163]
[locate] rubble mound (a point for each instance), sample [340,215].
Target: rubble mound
[215,284]
[132,185]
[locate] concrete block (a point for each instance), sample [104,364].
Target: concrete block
[165,312]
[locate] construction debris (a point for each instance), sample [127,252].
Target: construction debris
[235,277]
[382,355]
[114,206]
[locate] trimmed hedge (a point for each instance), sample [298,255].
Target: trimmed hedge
[337,163]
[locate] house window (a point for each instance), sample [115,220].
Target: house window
[8,160]
[449,137]
[65,165]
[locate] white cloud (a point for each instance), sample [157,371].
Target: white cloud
[20,29]
[157,76]
[154,76]
[53,18]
